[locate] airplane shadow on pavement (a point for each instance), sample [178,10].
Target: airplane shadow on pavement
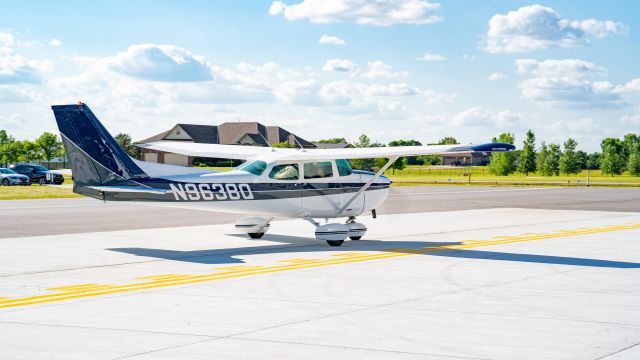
[310,245]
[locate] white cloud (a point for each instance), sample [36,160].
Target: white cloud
[15,69]
[331,40]
[6,39]
[496,76]
[378,69]
[55,42]
[633,119]
[341,65]
[298,92]
[379,12]
[537,27]
[570,84]
[469,57]
[431,57]
[571,93]
[481,117]
[160,63]
[276,8]
[434,97]
[574,68]
[13,94]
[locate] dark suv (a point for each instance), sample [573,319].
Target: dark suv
[38,174]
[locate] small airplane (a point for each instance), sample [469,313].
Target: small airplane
[293,183]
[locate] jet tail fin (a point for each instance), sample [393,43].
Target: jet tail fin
[95,156]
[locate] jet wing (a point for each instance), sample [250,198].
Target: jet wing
[247,152]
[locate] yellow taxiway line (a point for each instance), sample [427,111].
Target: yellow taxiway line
[229,272]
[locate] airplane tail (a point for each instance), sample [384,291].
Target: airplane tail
[95,156]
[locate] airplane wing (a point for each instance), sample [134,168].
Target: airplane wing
[247,152]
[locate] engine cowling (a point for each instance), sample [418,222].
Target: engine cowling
[253,225]
[332,232]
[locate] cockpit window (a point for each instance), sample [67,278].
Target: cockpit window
[285,172]
[344,169]
[255,167]
[318,170]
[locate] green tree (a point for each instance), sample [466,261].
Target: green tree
[403,162]
[582,158]
[30,151]
[553,159]
[527,162]
[405,143]
[449,140]
[569,161]
[593,161]
[542,160]
[5,141]
[50,145]
[365,164]
[338,140]
[128,145]
[283,144]
[13,152]
[613,159]
[429,159]
[629,142]
[633,163]
[503,163]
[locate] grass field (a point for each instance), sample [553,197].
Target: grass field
[35,192]
[480,175]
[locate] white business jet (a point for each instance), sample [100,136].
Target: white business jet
[294,183]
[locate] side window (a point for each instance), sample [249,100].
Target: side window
[285,172]
[318,170]
[344,169]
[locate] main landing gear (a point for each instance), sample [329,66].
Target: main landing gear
[255,226]
[335,234]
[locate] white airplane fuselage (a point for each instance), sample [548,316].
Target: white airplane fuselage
[243,192]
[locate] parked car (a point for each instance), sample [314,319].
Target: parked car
[38,174]
[10,177]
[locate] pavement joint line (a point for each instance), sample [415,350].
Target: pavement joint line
[356,348]
[74,292]
[518,316]
[618,351]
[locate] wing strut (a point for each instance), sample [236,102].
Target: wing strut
[373,179]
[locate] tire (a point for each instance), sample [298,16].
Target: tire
[335,242]
[5,182]
[256,235]
[355,237]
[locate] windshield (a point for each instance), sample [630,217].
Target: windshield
[7,171]
[255,167]
[40,168]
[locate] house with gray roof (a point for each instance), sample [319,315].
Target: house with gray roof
[229,133]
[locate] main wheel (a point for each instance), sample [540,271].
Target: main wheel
[5,182]
[335,242]
[355,237]
[256,235]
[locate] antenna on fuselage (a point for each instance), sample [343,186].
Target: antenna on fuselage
[267,141]
[297,142]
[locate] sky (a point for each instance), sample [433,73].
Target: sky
[393,69]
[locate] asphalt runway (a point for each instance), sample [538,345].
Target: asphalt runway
[69,216]
[478,273]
